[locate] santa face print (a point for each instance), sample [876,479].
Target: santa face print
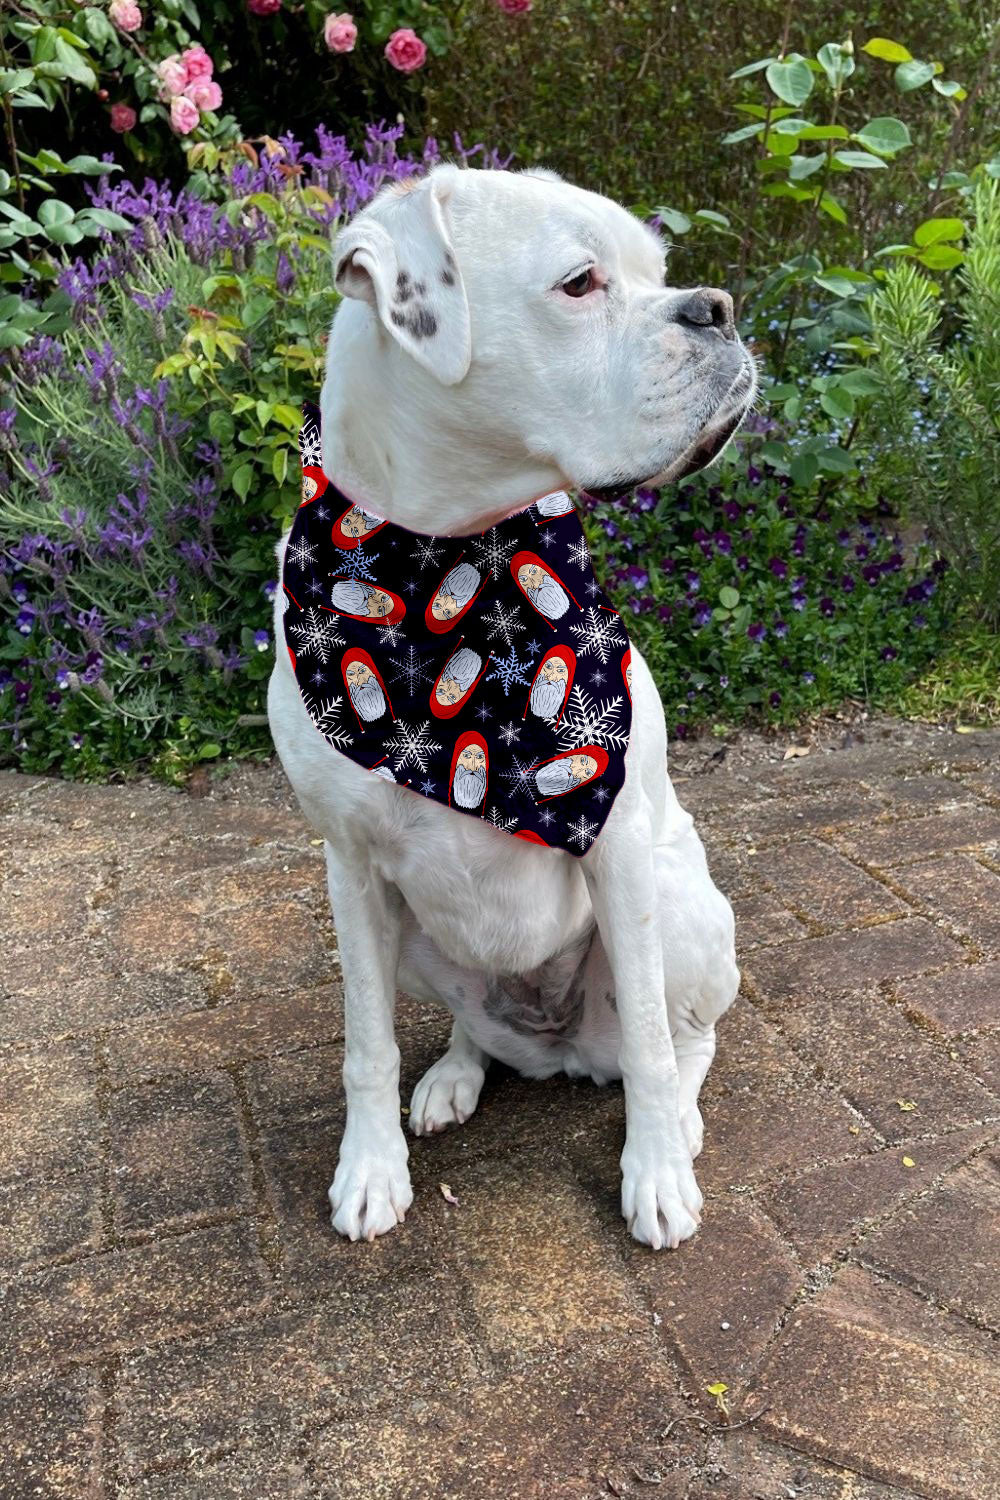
[469,786]
[457,589]
[565,774]
[549,688]
[358,522]
[365,690]
[310,488]
[355,597]
[539,587]
[550,506]
[457,676]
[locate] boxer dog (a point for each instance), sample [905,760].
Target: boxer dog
[503,336]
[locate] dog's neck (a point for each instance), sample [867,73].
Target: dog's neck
[392,450]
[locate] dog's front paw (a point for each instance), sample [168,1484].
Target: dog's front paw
[661,1201]
[370,1192]
[446,1095]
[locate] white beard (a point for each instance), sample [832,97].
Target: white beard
[549,599]
[463,667]
[469,786]
[546,698]
[554,778]
[369,700]
[558,504]
[351,597]
[461,583]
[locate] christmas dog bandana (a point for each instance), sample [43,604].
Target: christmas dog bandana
[488,672]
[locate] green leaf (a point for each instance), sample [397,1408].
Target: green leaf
[104,218]
[729,597]
[803,469]
[242,480]
[792,81]
[709,216]
[221,425]
[824,133]
[949,88]
[54,211]
[781,145]
[91,167]
[913,75]
[860,382]
[883,135]
[64,234]
[881,47]
[836,63]
[941,257]
[74,65]
[840,286]
[858,159]
[932,231]
[780,392]
[12,79]
[279,464]
[800,167]
[743,134]
[837,402]
[754,67]
[829,205]
[791,125]
[835,460]
[209,751]
[777,455]
[675,221]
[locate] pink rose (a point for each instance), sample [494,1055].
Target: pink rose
[123,117]
[405,50]
[197,63]
[515,7]
[263,7]
[126,15]
[340,33]
[184,115]
[172,75]
[204,93]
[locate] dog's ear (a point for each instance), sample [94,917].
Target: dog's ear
[398,256]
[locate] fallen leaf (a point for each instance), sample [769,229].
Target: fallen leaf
[908,1161]
[906,1104]
[965,729]
[447,1194]
[854,1130]
[795,752]
[314,842]
[718,1389]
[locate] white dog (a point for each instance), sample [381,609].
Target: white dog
[503,336]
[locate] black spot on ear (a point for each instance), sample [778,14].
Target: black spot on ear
[420,287]
[449,259]
[397,317]
[404,290]
[422,324]
[448,277]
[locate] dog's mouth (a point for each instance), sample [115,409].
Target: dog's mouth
[713,437]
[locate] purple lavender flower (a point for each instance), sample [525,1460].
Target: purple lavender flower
[775,699]
[693,582]
[780,629]
[827,607]
[756,632]
[808,676]
[702,615]
[743,562]
[889,653]
[25,620]
[778,567]
[724,542]
[848,583]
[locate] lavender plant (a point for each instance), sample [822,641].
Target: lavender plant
[145,458]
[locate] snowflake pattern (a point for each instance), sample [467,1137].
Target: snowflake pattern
[600,632]
[582,832]
[409,669]
[588,722]
[495,645]
[427,552]
[510,671]
[503,624]
[315,633]
[493,550]
[411,745]
[301,553]
[357,563]
[505,823]
[326,715]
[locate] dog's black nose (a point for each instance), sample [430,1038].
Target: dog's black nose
[707,307]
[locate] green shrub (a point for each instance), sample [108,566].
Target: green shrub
[934,425]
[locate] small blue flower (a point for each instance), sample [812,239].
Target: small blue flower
[261,639]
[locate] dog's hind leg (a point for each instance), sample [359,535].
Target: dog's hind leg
[449,1090]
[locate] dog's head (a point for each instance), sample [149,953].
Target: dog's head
[534,318]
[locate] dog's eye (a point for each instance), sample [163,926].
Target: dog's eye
[580,285]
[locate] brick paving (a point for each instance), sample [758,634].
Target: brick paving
[180,1323]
